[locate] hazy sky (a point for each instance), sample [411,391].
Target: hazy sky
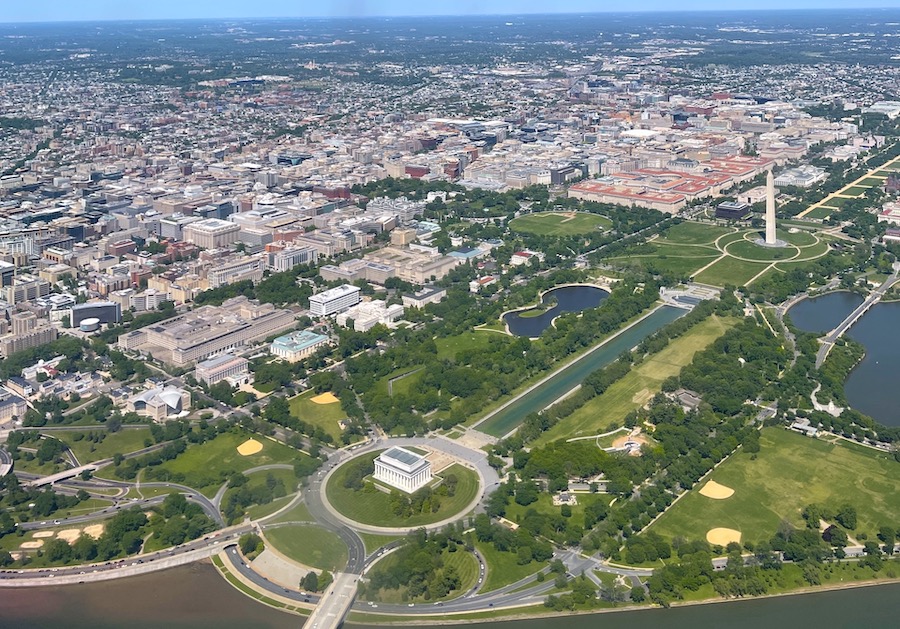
[56,10]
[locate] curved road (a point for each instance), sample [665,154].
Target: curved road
[476,459]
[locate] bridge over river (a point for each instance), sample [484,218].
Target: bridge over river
[832,337]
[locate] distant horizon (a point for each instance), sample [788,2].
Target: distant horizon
[63,11]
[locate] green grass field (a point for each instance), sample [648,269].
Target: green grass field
[553,224]
[666,257]
[325,416]
[502,568]
[206,466]
[694,233]
[515,512]
[310,545]
[730,271]
[872,181]
[123,441]
[800,238]
[822,211]
[466,566]
[371,506]
[297,513]
[449,346]
[855,191]
[257,512]
[641,384]
[752,251]
[790,472]
[373,541]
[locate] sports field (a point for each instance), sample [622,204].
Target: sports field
[325,416]
[559,223]
[639,386]
[790,472]
[206,466]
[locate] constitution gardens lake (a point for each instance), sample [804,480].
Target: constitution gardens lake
[196,597]
[871,387]
[531,322]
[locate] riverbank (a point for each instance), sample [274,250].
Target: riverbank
[431,621]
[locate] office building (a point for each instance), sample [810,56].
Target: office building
[208,330]
[212,233]
[234,369]
[334,300]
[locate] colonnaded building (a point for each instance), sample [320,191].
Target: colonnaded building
[402,469]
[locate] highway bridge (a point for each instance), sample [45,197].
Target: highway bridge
[61,476]
[832,337]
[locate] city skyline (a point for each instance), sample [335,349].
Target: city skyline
[89,10]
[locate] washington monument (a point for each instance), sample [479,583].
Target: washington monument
[771,239]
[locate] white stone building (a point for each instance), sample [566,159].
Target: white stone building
[334,300]
[400,468]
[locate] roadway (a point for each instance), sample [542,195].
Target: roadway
[476,459]
[190,493]
[6,462]
[190,552]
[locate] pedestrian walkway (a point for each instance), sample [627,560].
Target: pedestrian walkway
[279,569]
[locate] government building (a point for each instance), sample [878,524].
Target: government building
[402,469]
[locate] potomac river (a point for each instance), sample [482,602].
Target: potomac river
[871,386]
[196,597]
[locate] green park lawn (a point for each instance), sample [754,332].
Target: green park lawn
[790,472]
[257,512]
[374,541]
[372,506]
[544,504]
[837,202]
[823,211]
[124,441]
[449,346]
[34,466]
[688,233]
[855,191]
[553,224]
[310,545]
[800,238]
[752,251]
[298,513]
[873,181]
[206,466]
[677,258]
[605,411]
[324,416]
[466,567]
[503,568]
[730,271]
